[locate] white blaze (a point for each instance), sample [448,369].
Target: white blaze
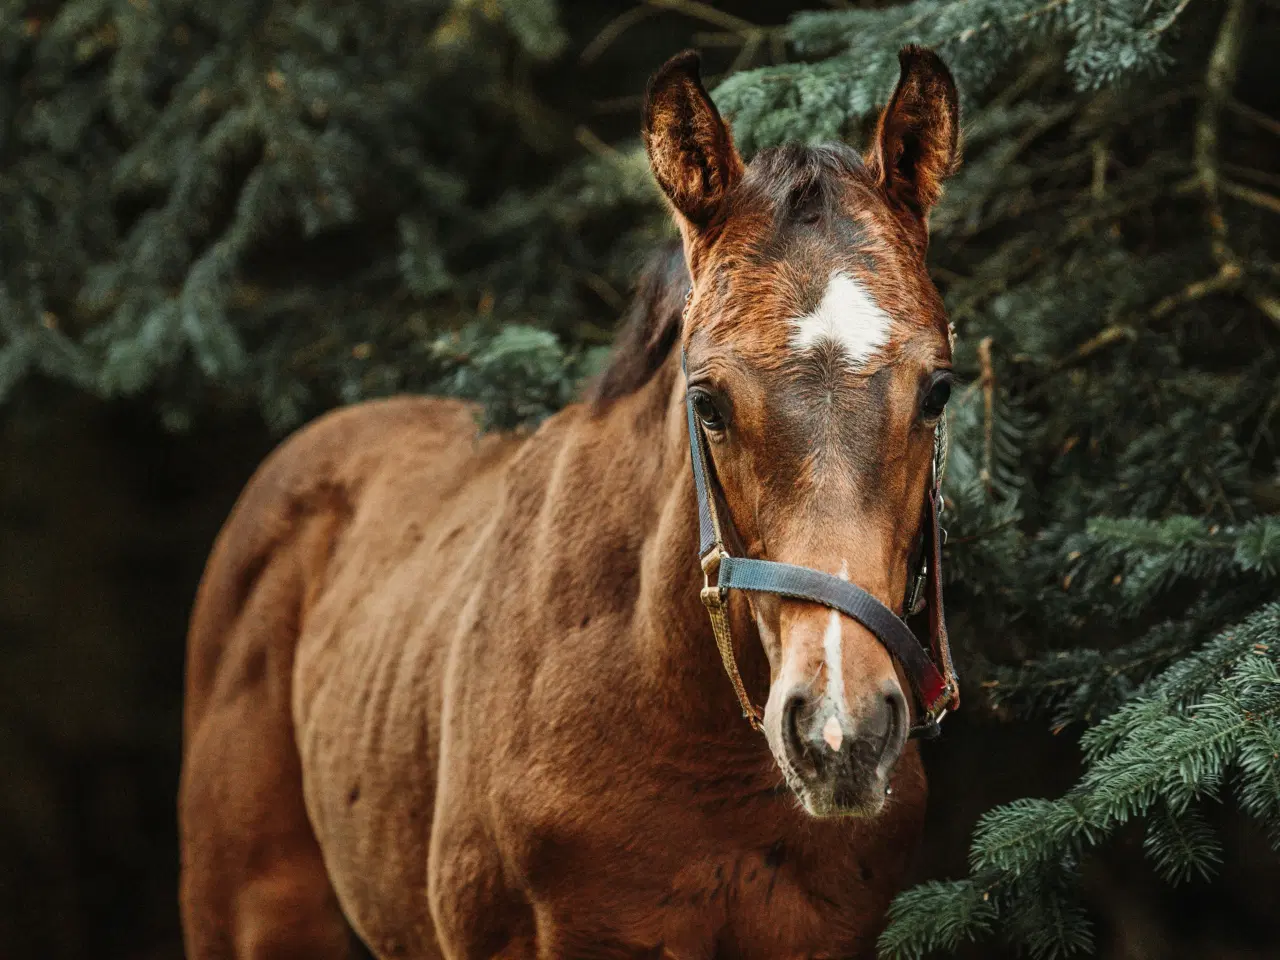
[833,648]
[847,316]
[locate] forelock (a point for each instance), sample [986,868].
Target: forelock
[789,178]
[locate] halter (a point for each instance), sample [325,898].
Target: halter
[933,680]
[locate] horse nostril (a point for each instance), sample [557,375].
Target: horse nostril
[895,732]
[791,717]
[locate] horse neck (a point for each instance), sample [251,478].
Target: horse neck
[675,646]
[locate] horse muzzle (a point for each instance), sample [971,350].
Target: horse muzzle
[838,760]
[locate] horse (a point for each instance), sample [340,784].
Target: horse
[459,694]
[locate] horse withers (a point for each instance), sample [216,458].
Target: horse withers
[460,693]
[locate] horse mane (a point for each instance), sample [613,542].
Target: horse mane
[650,328]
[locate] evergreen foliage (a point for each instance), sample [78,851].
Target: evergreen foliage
[285,203]
[1206,726]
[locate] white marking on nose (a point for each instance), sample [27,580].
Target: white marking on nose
[832,733]
[847,316]
[833,648]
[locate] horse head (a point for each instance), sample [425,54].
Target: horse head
[817,368]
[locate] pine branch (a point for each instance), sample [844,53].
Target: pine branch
[1173,752]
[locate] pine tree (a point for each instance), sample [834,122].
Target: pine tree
[294,204]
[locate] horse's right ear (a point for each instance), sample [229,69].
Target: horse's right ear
[690,148]
[917,141]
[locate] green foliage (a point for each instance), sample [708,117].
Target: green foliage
[179,184]
[516,373]
[963,913]
[1182,846]
[1105,40]
[1146,557]
[1209,725]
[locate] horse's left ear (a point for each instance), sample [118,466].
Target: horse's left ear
[917,141]
[690,148]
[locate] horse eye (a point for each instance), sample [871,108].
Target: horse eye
[936,399]
[708,412]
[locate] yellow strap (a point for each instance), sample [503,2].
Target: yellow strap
[716,609]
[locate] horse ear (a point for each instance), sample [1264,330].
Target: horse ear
[690,148]
[917,140]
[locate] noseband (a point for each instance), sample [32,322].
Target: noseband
[933,679]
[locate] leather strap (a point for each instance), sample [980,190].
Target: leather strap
[939,640]
[804,583]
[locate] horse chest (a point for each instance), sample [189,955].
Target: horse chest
[684,877]
[760,904]
[750,904]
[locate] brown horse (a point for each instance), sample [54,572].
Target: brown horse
[458,693]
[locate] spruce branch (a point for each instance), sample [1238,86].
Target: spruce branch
[698,10]
[1172,18]
[988,383]
[1224,64]
[1252,173]
[1259,198]
[1267,304]
[1182,846]
[1227,278]
[937,916]
[1106,337]
[1253,115]
[615,29]
[1213,716]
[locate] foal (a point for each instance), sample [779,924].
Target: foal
[461,695]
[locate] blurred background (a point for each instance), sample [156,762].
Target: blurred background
[218,220]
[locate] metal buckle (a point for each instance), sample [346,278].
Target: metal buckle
[712,593]
[928,729]
[916,598]
[931,726]
[710,564]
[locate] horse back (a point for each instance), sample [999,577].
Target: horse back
[300,503]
